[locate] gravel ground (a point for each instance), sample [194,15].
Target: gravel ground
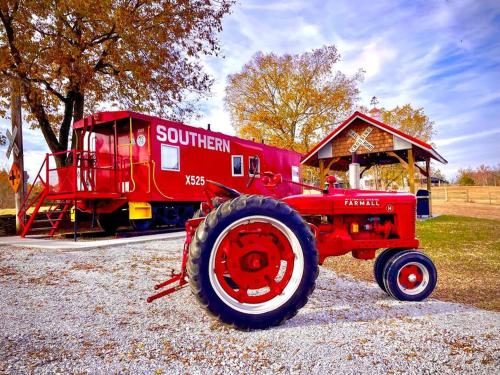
[85,312]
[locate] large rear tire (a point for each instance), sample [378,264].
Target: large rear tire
[253,262]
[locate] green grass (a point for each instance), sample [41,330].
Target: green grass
[466,252]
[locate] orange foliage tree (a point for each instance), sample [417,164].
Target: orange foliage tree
[71,56]
[412,121]
[6,194]
[290,101]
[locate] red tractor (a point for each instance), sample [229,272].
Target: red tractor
[252,261]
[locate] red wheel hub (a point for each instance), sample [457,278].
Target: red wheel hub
[410,276]
[254,262]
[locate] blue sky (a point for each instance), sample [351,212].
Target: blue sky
[441,55]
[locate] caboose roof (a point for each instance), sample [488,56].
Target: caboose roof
[311,158]
[104,118]
[100,118]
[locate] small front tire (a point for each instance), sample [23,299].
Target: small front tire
[380,262]
[410,276]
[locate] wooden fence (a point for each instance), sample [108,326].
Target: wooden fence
[467,194]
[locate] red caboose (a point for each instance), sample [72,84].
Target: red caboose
[152,171]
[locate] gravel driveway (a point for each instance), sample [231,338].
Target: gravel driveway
[85,312]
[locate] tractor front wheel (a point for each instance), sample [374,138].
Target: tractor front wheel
[253,262]
[410,276]
[380,262]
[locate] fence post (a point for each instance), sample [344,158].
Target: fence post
[445,194]
[489,196]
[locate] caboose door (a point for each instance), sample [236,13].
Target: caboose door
[85,178]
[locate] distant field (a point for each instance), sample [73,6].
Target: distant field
[479,210]
[466,252]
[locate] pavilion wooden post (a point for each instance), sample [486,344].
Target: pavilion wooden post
[411,170]
[324,169]
[429,183]
[321,173]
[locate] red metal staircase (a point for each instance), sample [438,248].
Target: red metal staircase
[38,194]
[59,188]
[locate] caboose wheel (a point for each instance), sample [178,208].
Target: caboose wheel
[143,224]
[253,262]
[109,223]
[380,263]
[410,276]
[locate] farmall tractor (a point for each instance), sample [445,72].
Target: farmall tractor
[252,261]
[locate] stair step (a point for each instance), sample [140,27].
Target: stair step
[45,220]
[41,229]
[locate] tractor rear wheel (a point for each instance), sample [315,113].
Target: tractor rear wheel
[253,262]
[410,276]
[380,262]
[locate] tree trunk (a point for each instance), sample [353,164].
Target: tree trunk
[78,107]
[77,115]
[73,111]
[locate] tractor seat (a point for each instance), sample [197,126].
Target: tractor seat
[220,190]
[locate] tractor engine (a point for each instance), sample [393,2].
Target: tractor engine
[358,221]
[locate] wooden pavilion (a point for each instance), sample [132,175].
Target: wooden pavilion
[369,142]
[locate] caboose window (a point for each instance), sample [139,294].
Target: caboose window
[170,159]
[253,165]
[237,165]
[295,174]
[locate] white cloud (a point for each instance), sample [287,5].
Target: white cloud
[274,6]
[466,137]
[373,57]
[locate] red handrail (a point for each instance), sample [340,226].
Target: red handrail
[23,208]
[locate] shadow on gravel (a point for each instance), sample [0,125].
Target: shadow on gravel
[339,300]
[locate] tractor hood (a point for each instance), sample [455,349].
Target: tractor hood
[343,201]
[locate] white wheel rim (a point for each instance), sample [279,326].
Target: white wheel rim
[288,291]
[419,288]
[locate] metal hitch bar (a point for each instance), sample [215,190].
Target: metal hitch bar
[180,277]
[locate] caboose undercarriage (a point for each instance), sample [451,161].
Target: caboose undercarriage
[143,216]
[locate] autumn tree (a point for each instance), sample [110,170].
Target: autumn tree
[290,100]
[6,194]
[72,56]
[412,121]
[484,175]
[465,177]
